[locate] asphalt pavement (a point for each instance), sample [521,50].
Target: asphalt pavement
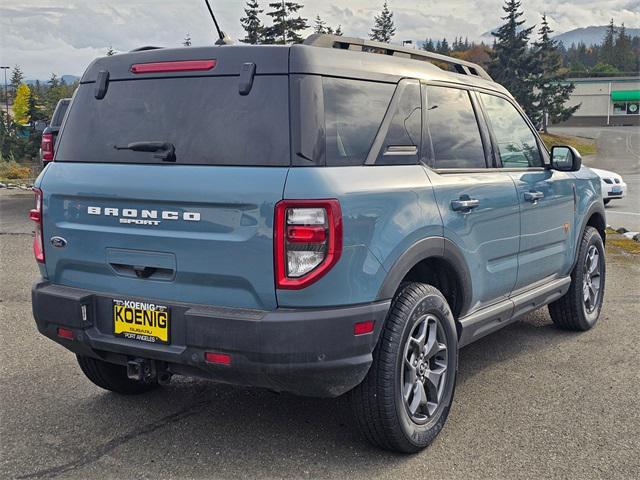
[532,401]
[618,151]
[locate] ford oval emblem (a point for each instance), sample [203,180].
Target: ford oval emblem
[58,242]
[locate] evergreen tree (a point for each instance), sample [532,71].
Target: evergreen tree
[110,51]
[553,92]
[285,28]
[21,104]
[624,58]
[607,49]
[444,47]
[252,24]
[320,26]
[511,63]
[35,113]
[428,45]
[187,40]
[383,28]
[16,79]
[338,31]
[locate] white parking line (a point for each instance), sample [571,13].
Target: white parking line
[623,213]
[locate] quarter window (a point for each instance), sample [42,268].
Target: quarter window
[516,142]
[353,113]
[453,129]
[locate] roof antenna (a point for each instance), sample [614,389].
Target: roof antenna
[223,39]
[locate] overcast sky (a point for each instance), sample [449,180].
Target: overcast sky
[63,36]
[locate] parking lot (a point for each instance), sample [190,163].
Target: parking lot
[532,401]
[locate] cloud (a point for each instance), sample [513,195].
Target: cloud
[44,36]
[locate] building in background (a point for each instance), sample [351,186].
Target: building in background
[605,101]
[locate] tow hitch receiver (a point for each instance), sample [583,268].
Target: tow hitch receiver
[148,371]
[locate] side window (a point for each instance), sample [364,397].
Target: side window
[516,142]
[453,129]
[401,144]
[353,111]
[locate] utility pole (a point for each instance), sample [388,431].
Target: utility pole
[6,93]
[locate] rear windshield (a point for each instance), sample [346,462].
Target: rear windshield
[59,112]
[205,119]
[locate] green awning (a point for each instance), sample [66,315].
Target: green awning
[626,96]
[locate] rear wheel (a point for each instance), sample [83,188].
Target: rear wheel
[405,399]
[112,377]
[580,307]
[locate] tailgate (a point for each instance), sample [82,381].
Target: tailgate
[183,233]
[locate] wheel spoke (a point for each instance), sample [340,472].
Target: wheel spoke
[416,398]
[420,337]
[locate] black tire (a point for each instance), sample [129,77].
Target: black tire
[382,414]
[606,201]
[112,377]
[572,311]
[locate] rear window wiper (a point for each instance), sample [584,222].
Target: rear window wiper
[167,150]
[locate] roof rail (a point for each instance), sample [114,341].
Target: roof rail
[358,44]
[146,47]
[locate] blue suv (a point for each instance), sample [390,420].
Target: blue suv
[337,217]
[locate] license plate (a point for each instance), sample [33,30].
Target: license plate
[142,321]
[616,190]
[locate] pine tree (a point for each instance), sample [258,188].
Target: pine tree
[428,45]
[511,63]
[320,26]
[252,24]
[608,48]
[338,31]
[444,47]
[187,40]
[16,79]
[110,51]
[21,105]
[383,28]
[624,57]
[285,29]
[553,92]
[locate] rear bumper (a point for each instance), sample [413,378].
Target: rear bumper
[303,351]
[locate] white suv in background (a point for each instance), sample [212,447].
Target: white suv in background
[612,185]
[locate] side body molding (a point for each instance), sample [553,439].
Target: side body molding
[431,247]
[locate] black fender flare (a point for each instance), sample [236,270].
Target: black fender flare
[431,247]
[595,207]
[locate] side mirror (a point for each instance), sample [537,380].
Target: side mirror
[565,159]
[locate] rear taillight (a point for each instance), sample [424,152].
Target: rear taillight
[46,145]
[307,240]
[36,215]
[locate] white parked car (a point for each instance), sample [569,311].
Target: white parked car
[612,185]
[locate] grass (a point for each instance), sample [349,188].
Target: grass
[585,146]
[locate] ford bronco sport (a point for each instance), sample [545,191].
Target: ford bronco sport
[337,217]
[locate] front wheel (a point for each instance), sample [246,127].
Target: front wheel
[405,399]
[580,307]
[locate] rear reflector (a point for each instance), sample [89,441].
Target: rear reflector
[362,328]
[65,333]
[180,66]
[218,358]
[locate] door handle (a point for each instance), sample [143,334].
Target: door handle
[465,204]
[533,196]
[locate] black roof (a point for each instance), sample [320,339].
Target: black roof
[320,54]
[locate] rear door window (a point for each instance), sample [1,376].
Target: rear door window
[453,129]
[515,141]
[354,110]
[205,118]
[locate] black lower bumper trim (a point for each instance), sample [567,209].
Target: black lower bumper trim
[303,351]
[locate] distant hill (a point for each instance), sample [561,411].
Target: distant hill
[588,35]
[68,79]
